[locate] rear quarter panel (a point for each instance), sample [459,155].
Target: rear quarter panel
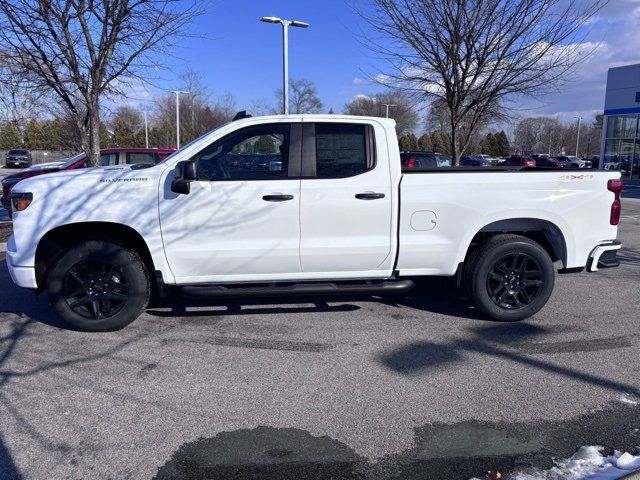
[465,202]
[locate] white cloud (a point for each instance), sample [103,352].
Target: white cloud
[382,79]
[613,41]
[133,92]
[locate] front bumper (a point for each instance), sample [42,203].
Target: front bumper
[604,256]
[24,277]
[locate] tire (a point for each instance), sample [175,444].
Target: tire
[98,286]
[510,277]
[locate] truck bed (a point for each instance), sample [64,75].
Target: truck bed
[443,209]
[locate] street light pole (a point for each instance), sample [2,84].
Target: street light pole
[578,137]
[285,54]
[178,92]
[285,67]
[146,129]
[389,105]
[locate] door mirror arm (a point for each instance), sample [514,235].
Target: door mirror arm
[184,174]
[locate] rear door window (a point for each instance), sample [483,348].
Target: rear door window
[141,157]
[108,159]
[341,150]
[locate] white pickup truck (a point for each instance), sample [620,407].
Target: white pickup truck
[303,204]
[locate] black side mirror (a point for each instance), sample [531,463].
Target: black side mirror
[184,174]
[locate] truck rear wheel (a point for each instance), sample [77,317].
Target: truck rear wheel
[510,277]
[98,286]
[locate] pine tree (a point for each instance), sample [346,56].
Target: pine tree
[437,142]
[503,147]
[424,143]
[34,135]
[9,137]
[489,145]
[403,143]
[123,135]
[413,142]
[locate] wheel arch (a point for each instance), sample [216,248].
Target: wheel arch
[57,240]
[542,231]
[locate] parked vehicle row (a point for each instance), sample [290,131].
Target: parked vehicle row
[435,160]
[108,157]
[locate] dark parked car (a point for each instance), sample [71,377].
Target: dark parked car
[545,161]
[475,162]
[424,160]
[108,157]
[519,161]
[17,158]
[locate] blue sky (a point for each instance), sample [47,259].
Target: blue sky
[243,56]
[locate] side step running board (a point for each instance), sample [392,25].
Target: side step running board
[328,288]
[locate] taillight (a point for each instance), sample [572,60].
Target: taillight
[615,186]
[529,163]
[410,163]
[20,201]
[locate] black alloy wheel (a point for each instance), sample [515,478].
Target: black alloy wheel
[509,277]
[514,281]
[95,289]
[98,285]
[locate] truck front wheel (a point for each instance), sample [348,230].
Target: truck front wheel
[510,277]
[98,286]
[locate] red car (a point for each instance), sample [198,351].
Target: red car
[519,161]
[108,157]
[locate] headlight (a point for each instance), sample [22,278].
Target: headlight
[20,201]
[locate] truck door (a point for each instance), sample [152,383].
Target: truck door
[241,219]
[345,201]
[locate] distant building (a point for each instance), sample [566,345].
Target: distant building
[620,148]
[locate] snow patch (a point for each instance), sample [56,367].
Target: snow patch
[587,463]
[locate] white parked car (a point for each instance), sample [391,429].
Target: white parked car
[303,204]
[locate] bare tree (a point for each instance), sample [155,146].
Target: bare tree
[303,97]
[472,55]
[20,96]
[82,49]
[399,105]
[438,119]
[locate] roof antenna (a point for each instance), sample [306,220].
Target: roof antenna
[240,115]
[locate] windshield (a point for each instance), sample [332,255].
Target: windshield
[72,160]
[17,152]
[192,142]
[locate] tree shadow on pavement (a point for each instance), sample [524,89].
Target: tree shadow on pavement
[8,469]
[20,313]
[507,342]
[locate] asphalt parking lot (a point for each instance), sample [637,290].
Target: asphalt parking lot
[413,387]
